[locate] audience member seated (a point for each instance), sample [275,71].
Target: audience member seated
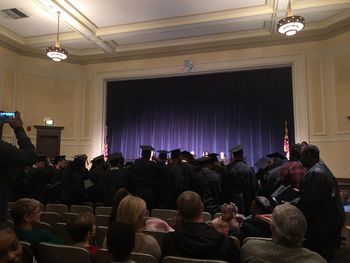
[194,238]
[157,224]
[11,249]
[258,224]
[82,229]
[227,223]
[25,214]
[120,241]
[288,229]
[132,210]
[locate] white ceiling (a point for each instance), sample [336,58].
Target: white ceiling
[92,28]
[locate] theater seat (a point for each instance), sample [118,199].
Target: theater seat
[50,217]
[164,214]
[57,208]
[81,209]
[68,216]
[50,253]
[142,258]
[170,259]
[206,216]
[102,220]
[101,232]
[103,210]
[216,215]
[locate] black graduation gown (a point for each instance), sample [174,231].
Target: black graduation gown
[175,182]
[142,181]
[321,205]
[110,182]
[241,180]
[73,187]
[212,190]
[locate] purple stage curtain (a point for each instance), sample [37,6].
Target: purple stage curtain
[211,112]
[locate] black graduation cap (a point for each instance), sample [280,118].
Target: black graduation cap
[59,158]
[276,155]
[175,153]
[203,160]
[146,148]
[237,148]
[263,162]
[97,159]
[163,152]
[115,156]
[188,155]
[213,156]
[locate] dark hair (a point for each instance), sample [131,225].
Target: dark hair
[119,196]
[6,226]
[263,204]
[116,162]
[79,226]
[146,154]
[120,240]
[295,152]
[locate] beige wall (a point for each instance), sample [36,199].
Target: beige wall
[74,95]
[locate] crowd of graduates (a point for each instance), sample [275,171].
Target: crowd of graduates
[159,180]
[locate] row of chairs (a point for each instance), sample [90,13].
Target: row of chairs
[49,253]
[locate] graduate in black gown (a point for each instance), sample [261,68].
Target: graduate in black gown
[142,177]
[175,181]
[241,181]
[113,179]
[321,204]
[96,171]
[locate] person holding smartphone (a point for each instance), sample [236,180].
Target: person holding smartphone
[11,156]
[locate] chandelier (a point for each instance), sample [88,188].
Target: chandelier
[56,52]
[291,24]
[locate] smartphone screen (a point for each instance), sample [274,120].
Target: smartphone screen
[6,116]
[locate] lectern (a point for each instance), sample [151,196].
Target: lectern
[48,140]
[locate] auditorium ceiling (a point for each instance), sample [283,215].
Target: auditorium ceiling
[106,30]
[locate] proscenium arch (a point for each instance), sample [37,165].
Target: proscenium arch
[295,61]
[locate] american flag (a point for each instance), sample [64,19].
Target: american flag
[105,145]
[286,139]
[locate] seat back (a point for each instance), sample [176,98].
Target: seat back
[236,241]
[50,253]
[100,236]
[57,208]
[103,256]
[216,215]
[103,210]
[67,217]
[102,220]
[81,209]
[50,217]
[189,260]
[164,213]
[60,230]
[158,235]
[142,258]
[206,216]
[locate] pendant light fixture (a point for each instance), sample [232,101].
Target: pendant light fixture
[291,24]
[56,52]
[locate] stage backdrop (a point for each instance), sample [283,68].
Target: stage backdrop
[211,112]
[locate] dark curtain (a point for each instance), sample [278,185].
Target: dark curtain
[211,112]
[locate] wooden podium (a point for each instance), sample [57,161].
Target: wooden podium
[48,140]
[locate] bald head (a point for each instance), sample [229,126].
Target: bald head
[189,206]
